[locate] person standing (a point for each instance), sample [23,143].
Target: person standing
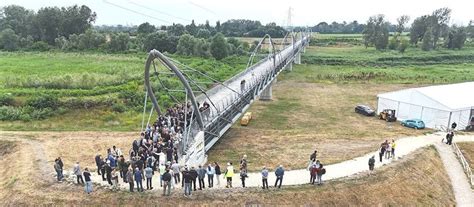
[108,173]
[102,169]
[279,172]
[371,164]
[149,176]
[319,175]
[217,168]
[57,168]
[161,169]
[138,179]
[175,168]
[194,176]
[243,175]
[229,173]
[313,170]
[243,164]
[187,179]
[77,172]
[264,178]
[313,156]
[115,179]
[87,177]
[130,181]
[210,175]
[388,151]
[201,175]
[98,163]
[167,183]
[393,148]
[450,138]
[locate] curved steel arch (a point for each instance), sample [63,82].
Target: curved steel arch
[259,45]
[167,63]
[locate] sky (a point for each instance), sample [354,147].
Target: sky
[304,12]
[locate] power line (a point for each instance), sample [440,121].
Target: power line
[158,11]
[133,11]
[202,7]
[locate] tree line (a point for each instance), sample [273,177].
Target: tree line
[431,30]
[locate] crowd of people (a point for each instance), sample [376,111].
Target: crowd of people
[387,149]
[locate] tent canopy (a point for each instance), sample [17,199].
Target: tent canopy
[452,97]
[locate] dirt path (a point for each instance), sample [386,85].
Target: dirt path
[462,189]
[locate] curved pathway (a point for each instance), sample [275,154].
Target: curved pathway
[357,165]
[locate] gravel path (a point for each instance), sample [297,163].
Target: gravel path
[462,189]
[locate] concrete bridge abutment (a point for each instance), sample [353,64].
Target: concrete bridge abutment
[266,94]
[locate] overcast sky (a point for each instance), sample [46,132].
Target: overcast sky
[304,12]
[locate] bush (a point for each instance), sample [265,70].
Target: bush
[40,46]
[6,100]
[403,45]
[118,107]
[43,101]
[8,113]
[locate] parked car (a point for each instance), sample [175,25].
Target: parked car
[364,110]
[413,123]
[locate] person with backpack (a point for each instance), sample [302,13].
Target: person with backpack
[264,178]
[371,164]
[279,172]
[321,172]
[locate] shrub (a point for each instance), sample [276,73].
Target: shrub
[43,101]
[6,100]
[118,107]
[8,113]
[40,46]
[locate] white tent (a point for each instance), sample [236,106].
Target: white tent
[438,106]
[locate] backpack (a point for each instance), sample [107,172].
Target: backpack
[323,171]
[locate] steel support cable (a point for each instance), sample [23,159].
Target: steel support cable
[163,85]
[144,108]
[202,91]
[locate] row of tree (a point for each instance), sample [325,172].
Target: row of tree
[427,29]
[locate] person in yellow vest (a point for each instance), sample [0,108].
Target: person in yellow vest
[229,173]
[393,148]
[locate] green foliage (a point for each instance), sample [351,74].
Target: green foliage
[8,40]
[40,46]
[376,32]
[6,100]
[186,45]
[146,28]
[427,43]
[219,46]
[456,38]
[43,101]
[160,41]
[203,33]
[393,43]
[403,45]
[118,42]
[118,107]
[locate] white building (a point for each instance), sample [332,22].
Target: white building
[438,106]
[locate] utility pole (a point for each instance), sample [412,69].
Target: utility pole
[289,26]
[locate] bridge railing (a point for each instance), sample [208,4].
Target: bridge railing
[464,163]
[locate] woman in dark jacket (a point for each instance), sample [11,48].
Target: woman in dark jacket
[217,168]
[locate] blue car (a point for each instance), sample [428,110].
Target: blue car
[413,123]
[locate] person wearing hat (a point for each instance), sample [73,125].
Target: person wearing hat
[229,173]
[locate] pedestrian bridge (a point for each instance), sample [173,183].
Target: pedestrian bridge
[228,100]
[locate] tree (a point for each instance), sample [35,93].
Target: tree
[376,32]
[403,45]
[401,22]
[76,20]
[186,45]
[418,29]
[160,41]
[439,23]
[219,46]
[203,33]
[48,19]
[427,43]
[456,37]
[192,28]
[176,29]
[146,28]
[17,18]
[201,48]
[118,42]
[8,40]
[218,26]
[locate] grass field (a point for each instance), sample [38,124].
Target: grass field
[418,179]
[467,149]
[313,106]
